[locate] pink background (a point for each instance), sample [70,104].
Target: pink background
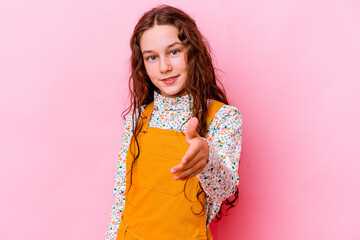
[291,68]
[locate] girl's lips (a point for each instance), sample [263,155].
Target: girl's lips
[170,80]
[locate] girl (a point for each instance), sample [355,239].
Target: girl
[181,145]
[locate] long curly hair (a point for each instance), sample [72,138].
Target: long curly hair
[201,75]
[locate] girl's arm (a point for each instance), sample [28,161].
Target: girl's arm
[119,186]
[220,177]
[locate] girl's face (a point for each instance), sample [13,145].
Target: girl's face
[164,58]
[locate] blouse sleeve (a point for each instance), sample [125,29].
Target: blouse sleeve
[220,177]
[120,182]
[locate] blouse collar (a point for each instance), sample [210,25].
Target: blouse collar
[172,103]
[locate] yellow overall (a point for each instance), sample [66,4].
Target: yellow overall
[155,205]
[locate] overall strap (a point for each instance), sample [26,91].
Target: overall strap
[214,107]
[145,117]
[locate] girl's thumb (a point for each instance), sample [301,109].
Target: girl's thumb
[191,128]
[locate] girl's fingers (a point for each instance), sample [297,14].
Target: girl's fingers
[190,172]
[190,162]
[187,161]
[176,168]
[184,165]
[199,167]
[193,150]
[198,150]
[195,156]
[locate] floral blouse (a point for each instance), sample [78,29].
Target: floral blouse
[219,177]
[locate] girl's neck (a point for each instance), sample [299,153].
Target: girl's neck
[172,103]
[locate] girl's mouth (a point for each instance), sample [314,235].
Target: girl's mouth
[170,80]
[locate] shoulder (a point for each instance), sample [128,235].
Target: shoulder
[135,114]
[227,111]
[227,119]
[132,117]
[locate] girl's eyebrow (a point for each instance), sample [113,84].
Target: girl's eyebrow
[171,45]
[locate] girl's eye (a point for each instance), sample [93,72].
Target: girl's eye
[151,58]
[174,52]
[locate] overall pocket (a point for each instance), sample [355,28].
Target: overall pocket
[153,173]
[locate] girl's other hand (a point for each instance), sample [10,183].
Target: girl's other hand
[196,157]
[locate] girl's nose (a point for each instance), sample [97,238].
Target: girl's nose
[165,66]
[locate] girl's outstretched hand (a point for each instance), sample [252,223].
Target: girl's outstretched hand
[196,157]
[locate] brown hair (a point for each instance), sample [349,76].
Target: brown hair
[201,74]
